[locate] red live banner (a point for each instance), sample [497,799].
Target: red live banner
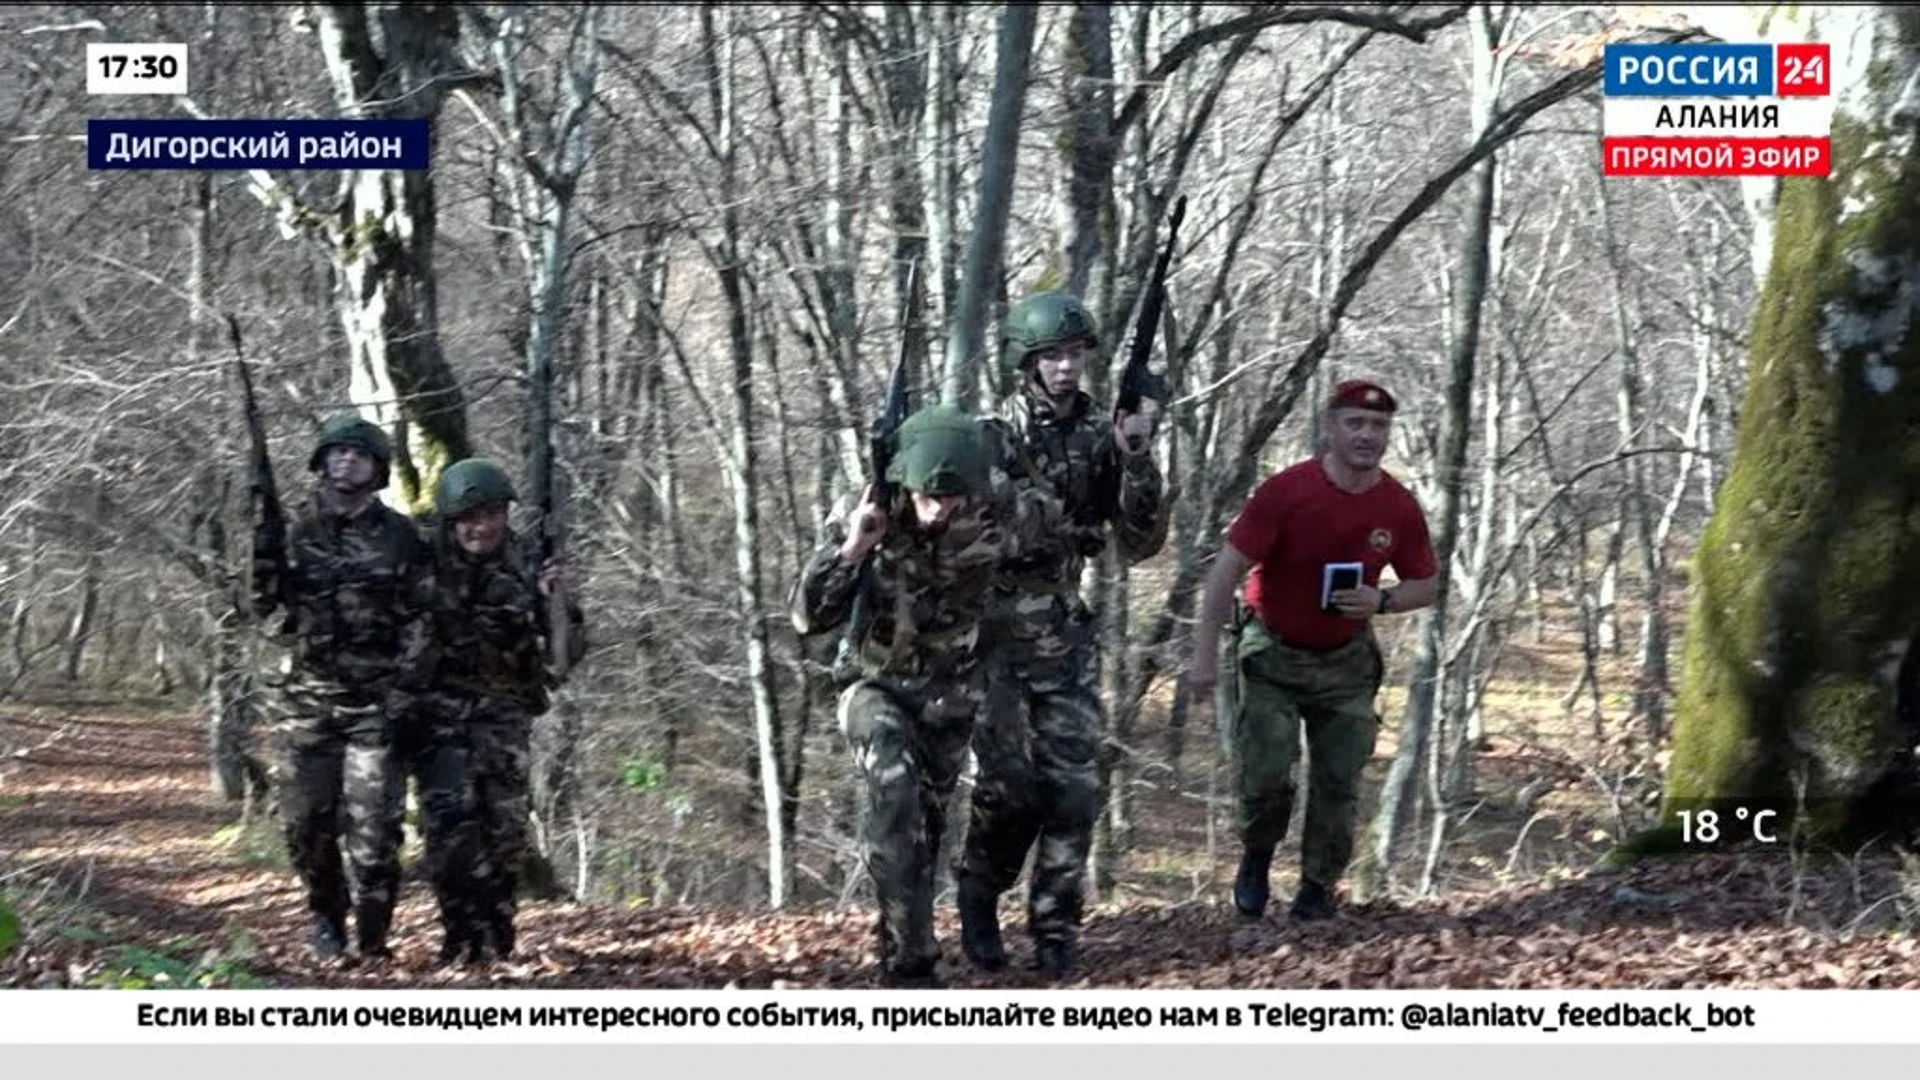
[1657,156]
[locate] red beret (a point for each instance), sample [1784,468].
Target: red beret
[1361,394]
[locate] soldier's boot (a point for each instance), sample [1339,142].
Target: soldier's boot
[500,934]
[327,935]
[1250,887]
[980,926]
[455,942]
[372,919]
[1312,902]
[1053,958]
[913,975]
[457,934]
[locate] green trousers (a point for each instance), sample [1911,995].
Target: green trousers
[1277,692]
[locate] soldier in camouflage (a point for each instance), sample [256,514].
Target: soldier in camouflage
[909,713]
[354,577]
[1036,746]
[490,683]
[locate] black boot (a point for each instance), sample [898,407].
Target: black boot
[455,945]
[915,975]
[1250,888]
[327,934]
[1312,902]
[980,926]
[1053,958]
[500,935]
[460,936]
[372,920]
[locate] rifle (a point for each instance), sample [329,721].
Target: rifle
[1138,381]
[271,519]
[880,438]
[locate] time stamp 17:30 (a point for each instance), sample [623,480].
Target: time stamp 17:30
[136,67]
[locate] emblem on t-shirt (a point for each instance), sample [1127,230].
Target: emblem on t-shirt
[1381,540]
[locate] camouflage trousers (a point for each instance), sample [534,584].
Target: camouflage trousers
[1037,787]
[908,742]
[499,746]
[340,788]
[435,756]
[1279,691]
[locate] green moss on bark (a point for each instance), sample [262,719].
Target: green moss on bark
[1808,574]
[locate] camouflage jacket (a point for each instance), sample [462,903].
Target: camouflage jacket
[930,589]
[1096,486]
[358,591]
[487,632]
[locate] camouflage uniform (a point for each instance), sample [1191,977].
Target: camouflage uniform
[358,652]
[1037,745]
[490,683]
[1275,690]
[909,713]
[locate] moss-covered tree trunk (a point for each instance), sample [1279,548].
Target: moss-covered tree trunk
[394,61]
[1809,572]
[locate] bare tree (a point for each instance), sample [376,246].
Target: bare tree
[967,327]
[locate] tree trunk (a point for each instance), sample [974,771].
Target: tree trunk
[1088,89]
[1637,510]
[1418,720]
[744,474]
[796,529]
[545,185]
[1808,582]
[383,239]
[1607,602]
[20,631]
[234,774]
[939,155]
[988,242]
[907,94]
[81,625]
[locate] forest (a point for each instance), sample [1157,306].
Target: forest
[663,261]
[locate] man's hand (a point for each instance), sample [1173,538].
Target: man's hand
[1132,429]
[1360,603]
[553,576]
[1203,673]
[864,529]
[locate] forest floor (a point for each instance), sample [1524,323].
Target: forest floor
[124,871]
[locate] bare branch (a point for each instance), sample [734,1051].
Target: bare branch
[1251,24]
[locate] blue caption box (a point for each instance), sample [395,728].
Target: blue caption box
[258,144]
[1705,70]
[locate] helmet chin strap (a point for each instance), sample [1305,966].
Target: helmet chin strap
[348,494]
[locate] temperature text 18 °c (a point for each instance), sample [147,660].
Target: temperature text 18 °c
[1712,827]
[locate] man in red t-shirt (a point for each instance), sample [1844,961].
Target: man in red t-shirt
[1316,537]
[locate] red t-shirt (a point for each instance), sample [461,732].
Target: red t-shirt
[1297,522]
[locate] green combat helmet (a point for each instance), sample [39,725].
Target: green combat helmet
[1044,320]
[348,429]
[470,483]
[939,452]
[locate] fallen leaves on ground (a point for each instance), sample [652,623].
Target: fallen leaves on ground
[113,810]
